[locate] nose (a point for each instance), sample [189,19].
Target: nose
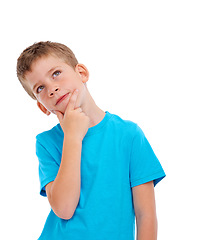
[52,91]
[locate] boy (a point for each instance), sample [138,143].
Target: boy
[97,170]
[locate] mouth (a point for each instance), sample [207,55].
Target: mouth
[61,98]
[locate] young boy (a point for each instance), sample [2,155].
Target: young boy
[97,170]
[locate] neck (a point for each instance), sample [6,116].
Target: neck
[90,108]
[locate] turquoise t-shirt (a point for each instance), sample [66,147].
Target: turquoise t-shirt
[116,156]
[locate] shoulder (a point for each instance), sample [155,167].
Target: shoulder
[125,126]
[50,135]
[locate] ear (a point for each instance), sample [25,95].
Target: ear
[43,109]
[83,72]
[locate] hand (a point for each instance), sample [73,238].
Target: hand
[74,122]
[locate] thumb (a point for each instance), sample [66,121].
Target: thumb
[59,115]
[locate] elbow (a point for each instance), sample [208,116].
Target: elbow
[65,216]
[65,210]
[64,206]
[65,213]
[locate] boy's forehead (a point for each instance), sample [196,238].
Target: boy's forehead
[42,67]
[45,62]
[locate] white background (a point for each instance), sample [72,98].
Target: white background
[152,62]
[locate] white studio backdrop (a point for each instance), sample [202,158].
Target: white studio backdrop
[152,62]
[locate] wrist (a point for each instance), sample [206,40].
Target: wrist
[72,138]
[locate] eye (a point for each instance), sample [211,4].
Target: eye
[56,73]
[39,89]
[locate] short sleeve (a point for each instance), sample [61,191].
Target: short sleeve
[48,167]
[144,165]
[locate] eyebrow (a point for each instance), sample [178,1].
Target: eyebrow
[51,70]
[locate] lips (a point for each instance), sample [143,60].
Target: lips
[61,98]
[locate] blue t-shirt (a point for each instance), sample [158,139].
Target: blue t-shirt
[116,156]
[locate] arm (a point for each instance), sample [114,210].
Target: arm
[64,192]
[145,211]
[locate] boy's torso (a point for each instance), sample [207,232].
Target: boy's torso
[105,203]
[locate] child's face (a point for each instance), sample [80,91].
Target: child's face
[53,81]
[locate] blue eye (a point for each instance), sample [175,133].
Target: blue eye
[56,73]
[39,89]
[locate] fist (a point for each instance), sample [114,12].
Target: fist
[74,122]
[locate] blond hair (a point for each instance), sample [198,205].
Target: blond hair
[38,50]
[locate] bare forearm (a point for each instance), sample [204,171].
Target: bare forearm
[147,228]
[65,191]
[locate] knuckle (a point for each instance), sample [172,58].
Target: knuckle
[79,109]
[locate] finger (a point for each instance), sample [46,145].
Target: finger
[59,115]
[72,100]
[78,109]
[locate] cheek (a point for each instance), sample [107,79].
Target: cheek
[42,100]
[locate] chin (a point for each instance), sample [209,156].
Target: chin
[63,109]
